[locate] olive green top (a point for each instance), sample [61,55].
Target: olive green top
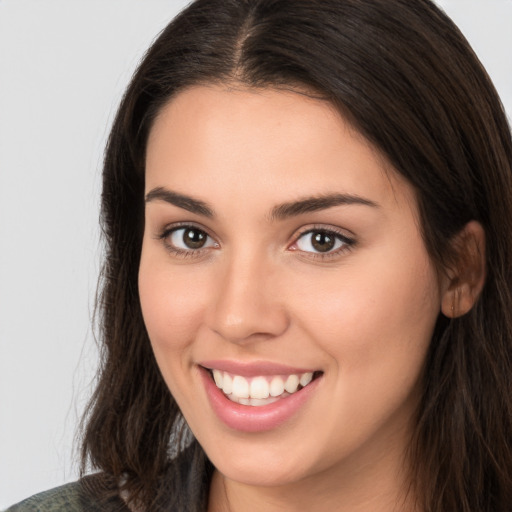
[80,496]
[182,487]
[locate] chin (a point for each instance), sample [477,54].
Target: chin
[259,465]
[270,475]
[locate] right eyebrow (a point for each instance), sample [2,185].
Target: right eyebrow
[181,201]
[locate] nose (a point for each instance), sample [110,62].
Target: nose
[248,305]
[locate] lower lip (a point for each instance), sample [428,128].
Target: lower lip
[248,418]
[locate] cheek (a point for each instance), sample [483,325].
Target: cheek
[375,314]
[172,304]
[376,325]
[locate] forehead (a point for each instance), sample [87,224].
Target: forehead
[221,142]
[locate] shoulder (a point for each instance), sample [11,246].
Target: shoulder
[80,496]
[65,497]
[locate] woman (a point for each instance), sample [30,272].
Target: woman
[306,298]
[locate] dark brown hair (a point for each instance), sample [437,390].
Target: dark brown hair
[405,77]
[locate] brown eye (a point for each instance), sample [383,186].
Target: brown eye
[194,238]
[322,241]
[189,238]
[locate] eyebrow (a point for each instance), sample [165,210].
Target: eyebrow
[316,203]
[279,212]
[180,200]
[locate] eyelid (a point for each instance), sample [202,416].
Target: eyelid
[173,226]
[167,230]
[349,240]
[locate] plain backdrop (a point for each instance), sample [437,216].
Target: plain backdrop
[63,67]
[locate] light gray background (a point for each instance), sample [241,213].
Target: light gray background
[63,67]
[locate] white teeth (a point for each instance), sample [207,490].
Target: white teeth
[292,383]
[260,390]
[255,402]
[227,384]
[276,386]
[217,377]
[305,378]
[240,387]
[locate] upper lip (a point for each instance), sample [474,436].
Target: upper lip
[253,369]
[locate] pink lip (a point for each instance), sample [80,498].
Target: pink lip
[246,418]
[253,369]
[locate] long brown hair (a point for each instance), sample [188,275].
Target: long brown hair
[402,73]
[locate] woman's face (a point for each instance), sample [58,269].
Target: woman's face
[280,248]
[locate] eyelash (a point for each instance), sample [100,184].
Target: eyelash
[347,242]
[177,251]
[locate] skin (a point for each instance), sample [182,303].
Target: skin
[258,291]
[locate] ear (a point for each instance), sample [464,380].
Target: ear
[465,279]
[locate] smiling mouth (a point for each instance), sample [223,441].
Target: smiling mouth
[260,390]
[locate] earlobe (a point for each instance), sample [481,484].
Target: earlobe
[466,277]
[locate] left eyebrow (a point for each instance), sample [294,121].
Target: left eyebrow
[316,203]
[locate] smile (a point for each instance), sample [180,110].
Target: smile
[257,397]
[259,390]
